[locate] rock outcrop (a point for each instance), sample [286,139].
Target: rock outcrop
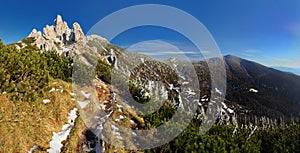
[77,34]
[69,42]
[57,36]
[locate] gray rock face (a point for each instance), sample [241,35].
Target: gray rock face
[70,42]
[58,35]
[78,35]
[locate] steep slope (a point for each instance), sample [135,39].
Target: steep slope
[276,90]
[255,91]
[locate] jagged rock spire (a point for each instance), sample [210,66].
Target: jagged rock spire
[77,33]
[61,26]
[57,35]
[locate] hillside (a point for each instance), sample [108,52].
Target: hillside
[62,91]
[276,91]
[255,91]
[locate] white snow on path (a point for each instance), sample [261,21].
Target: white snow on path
[190,92]
[55,143]
[218,91]
[86,95]
[83,104]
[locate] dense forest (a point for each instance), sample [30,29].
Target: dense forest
[224,138]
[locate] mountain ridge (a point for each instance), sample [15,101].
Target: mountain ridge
[240,72]
[257,97]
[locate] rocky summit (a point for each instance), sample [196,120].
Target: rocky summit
[68,42]
[56,36]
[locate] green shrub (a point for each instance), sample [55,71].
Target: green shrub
[25,73]
[104,71]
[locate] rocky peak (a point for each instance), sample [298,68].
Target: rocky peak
[57,36]
[68,42]
[58,20]
[34,33]
[61,26]
[78,34]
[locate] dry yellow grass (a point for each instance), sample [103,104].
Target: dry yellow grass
[23,124]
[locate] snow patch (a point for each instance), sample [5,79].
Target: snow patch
[114,128]
[134,134]
[224,105]
[190,92]
[173,87]
[56,142]
[218,91]
[46,101]
[33,148]
[203,100]
[132,122]
[83,104]
[121,117]
[86,95]
[231,111]
[252,131]
[184,83]
[253,90]
[120,107]
[52,90]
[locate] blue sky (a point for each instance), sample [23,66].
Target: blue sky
[266,31]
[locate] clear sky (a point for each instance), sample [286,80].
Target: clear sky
[266,31]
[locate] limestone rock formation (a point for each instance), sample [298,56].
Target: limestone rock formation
[57,36]
[78,35]
[70,42]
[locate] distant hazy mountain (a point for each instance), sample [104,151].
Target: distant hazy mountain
[287,69]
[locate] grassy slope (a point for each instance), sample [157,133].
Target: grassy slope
[23,124]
